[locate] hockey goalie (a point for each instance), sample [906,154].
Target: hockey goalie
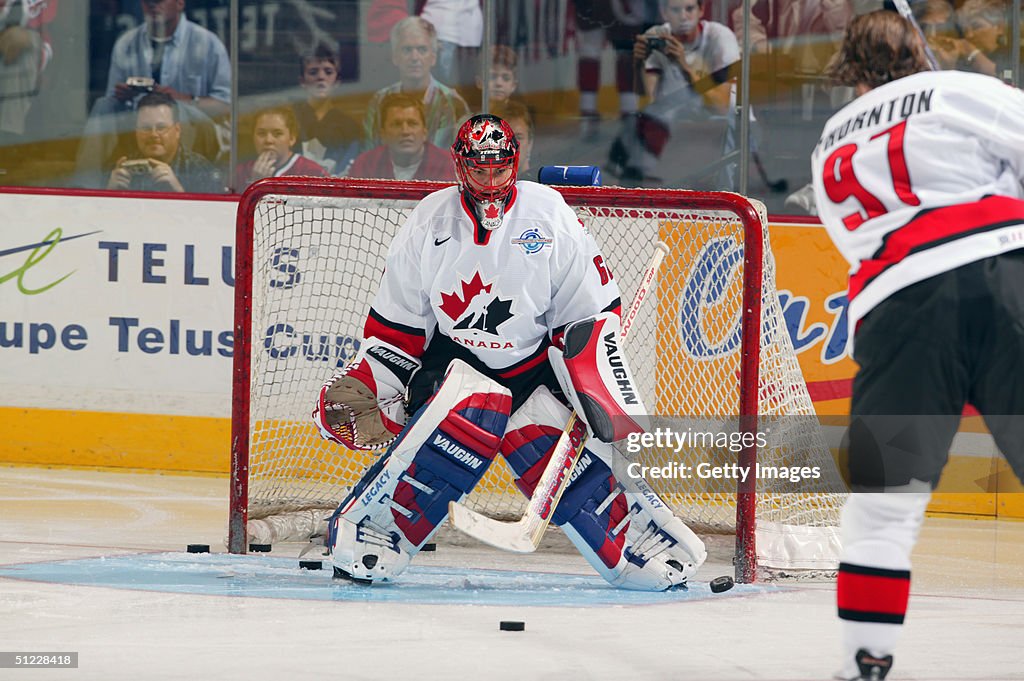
[495,311]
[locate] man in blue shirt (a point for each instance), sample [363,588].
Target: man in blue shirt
[169,54]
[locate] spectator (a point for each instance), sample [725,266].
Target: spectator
[274,136]
[983,24]
[618,22]
[460,31]
[405,154]
[687,61]
[161,163]
[503,79]
[25,51]
[168,54]
[518,117]
[937,19]
[414,52]
[328,136]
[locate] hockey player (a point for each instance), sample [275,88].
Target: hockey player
[918,182]
[490,289]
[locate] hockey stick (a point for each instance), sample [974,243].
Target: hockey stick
[903,7]
[524,535]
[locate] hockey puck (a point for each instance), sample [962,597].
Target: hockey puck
[720,584]
[198,548]
[429,547]
[507,625]
[259,548]
[311,565]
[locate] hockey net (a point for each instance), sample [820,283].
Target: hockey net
[309,256]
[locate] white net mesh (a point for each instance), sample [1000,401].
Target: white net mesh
[316,266]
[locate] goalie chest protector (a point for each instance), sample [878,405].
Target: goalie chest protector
[499,293]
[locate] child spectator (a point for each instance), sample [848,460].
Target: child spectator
[519,119]
[504,75]
[274,136]
[327,134]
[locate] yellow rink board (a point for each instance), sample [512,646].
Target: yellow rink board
[202,445]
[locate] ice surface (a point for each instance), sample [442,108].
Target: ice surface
[94,562]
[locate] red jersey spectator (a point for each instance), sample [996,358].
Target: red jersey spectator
[405,154]
[274,137]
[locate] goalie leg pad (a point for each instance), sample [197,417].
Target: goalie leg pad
[402,499]
[595,376]
[632,539]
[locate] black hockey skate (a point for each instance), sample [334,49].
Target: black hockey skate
[870,668]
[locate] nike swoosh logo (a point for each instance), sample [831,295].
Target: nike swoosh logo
[29,247]
[438,242]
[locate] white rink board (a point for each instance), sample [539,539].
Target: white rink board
[138,314]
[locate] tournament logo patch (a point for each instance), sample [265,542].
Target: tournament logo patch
[532,241]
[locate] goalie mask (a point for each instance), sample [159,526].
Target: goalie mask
[486,156]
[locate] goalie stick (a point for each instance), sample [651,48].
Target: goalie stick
[524,535]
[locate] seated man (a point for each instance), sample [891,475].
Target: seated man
[687,62]
[162,163]
[328,136]
[414,53]
[168,54]
[405,154]
[274,136]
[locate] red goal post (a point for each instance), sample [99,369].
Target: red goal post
[711,345]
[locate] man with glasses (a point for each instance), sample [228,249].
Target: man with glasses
[168,54]
[162,163]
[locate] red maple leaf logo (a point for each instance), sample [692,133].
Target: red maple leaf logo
[454,306]
[491,212]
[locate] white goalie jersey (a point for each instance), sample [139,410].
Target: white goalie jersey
[505,294]
[895,193]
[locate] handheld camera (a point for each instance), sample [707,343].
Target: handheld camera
[655,43]
[140,83]
[137,167]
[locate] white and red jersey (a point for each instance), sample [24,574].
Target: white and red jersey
[920,176]
[505,294]
[716,49]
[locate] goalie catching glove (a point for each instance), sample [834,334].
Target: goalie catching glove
[362,406]
[596,379]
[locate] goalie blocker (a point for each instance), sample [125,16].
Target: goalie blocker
[596,378]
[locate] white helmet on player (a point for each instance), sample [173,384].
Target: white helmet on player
[486,156]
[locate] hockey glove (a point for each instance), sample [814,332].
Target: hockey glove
[362,406]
